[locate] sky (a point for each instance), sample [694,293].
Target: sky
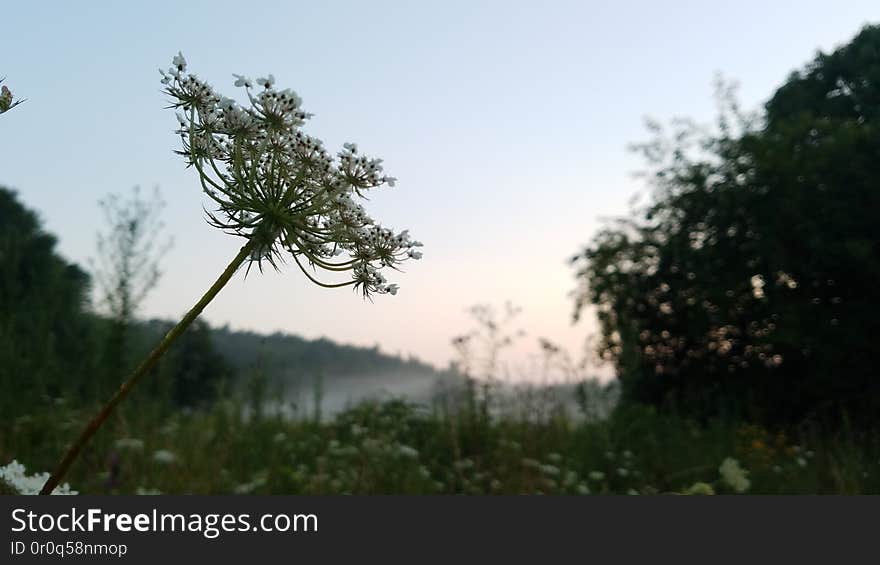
[506,123]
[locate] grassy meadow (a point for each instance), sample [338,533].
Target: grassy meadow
[455,445]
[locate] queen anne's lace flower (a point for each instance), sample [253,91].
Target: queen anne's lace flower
[15,476]
[281,188]
[164,456]
[734,475]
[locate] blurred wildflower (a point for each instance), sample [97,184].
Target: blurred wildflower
[164,456]
[131,443]
[550,470]
[530,463]
[700,489]
[407,452]
[248,488]
[734,475]
[143,491]
[464,464]
[14,474]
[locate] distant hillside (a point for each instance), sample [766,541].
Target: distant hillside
[299,366]
[290,352]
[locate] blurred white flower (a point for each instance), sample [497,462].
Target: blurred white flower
[734,475]
[242,81]
[130,443]
[267,82]
[164,456]
[700,489]
[596,475]
[250,487]
[464,464]
[407,452]
[14,474]
[550,470]
[179,62]
[143,491]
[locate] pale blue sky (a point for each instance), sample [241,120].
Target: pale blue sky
[505,122]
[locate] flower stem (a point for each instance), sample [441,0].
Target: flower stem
[144,368]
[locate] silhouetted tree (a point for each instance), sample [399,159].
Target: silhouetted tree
[45,337]
[127,269]
[748,286]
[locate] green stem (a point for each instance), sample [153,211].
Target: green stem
[144,368]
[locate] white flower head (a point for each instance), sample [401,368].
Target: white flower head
[178,62]
[735,476]
[15,476]
[267,82]
[132,443]
[280,188]
[407,451]
[242,81]
[164,456]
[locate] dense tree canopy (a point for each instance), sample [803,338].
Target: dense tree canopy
[43,343]
[748,286]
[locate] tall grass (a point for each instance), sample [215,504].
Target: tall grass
[467,441]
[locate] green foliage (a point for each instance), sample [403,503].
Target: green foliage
[46,347]
[396,447]
[193,370]
[746,288]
